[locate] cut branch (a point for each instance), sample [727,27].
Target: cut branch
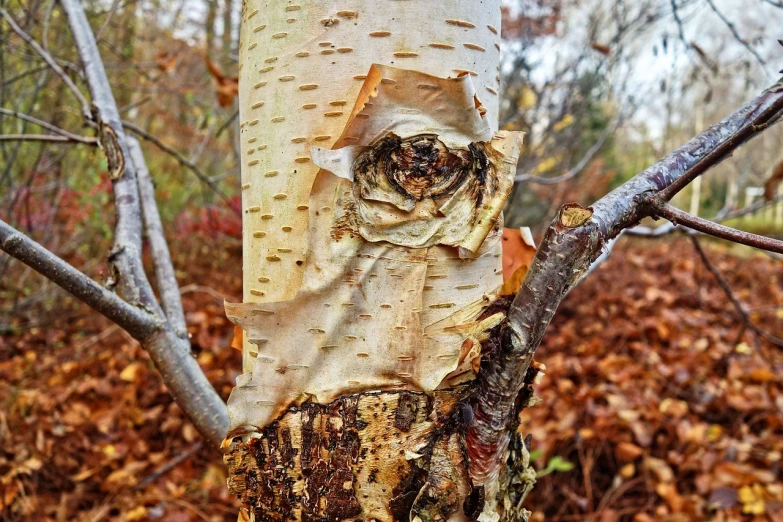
[678,217]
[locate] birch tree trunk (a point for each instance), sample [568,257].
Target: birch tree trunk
[373,183]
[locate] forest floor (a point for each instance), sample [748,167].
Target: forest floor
[657,403]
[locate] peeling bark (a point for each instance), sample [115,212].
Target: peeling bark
[372,273]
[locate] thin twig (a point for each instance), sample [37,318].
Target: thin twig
[579,167]
[752,209]
[114,6]
[737,36]
[679,217]
[170,465]
[678,22]
[97,337]
[744,315]
[47,126]
[226,124]
[23,75]
[182,161]
[49,60]
[47,138]
[217,296]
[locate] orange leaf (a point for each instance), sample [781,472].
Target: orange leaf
[228,86]
[518,250]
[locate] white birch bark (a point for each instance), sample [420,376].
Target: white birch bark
[366,285]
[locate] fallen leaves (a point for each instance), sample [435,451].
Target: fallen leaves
[86,425]
[646,396]
[684,408]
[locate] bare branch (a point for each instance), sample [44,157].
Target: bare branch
[47,138]
[181,159]
[112,11]
[126,253]
[752,209]
[48,126]
[571,244]
[678,22]
[171,464]
[22,75]
[737,36]
[138,323]
[774,3]
[744,315]
[161,257]
[678,217]
[49,60]
[226,124]
[579,167]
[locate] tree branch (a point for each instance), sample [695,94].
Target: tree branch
[170,354]
[573,241]
[161,257]
[126,253]
[737,36]
[47,138]
[50,61]
[678,217]
[752,209]
[136,322]
[579,167]
[48,126]
[181,159]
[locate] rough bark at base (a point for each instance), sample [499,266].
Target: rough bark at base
[385,456]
